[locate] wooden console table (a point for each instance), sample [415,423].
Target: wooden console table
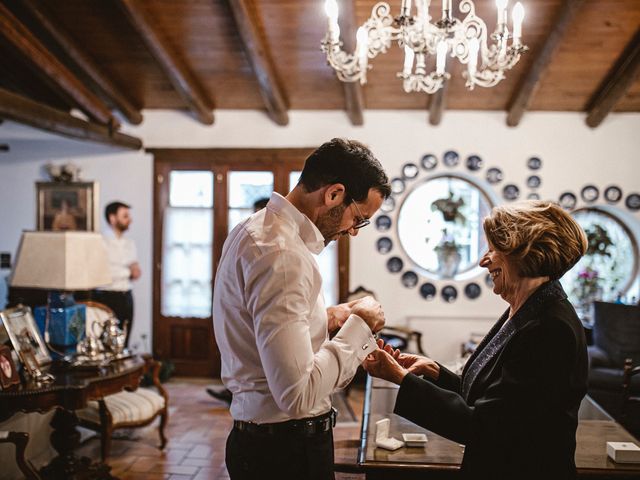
[441,458]
[71,391]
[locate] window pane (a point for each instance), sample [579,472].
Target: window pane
[607,269]
[439,226]
[188,248]
[293,179]
[328,265]
[245,188]
[191,189]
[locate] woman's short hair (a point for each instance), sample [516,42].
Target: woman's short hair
[539,236]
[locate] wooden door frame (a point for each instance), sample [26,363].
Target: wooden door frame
[220,161]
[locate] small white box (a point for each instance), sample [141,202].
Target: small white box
[383,440]
[623,452]
[414,439]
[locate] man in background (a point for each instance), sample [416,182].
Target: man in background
[123,263]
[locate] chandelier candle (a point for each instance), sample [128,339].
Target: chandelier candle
[487,55]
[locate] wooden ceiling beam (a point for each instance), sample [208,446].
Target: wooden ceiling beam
[438,104]
[530,83]
[20,39]
[180,75]
[615,85]
[353,92]
[38,115]
[84,63]
[258,53]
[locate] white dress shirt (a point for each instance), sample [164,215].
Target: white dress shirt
[270,321]
[121,253]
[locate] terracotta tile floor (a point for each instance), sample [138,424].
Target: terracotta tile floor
[197,431]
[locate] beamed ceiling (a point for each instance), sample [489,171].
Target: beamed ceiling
[102,56]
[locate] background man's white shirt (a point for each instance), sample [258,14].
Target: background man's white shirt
[121,253]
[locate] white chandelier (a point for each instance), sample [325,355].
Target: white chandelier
[464,39]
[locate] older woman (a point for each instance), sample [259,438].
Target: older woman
[515,407]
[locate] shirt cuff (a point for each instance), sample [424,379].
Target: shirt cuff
[357,333]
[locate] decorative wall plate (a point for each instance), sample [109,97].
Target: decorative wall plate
[633,202]
[449,293]
[410,170]
[397,185]
[383,223]
[474,163]
[533,196]
[533,181]
[384,245]
[472,290]
[510,192]
[429,161]
[450,158]
[568,201]
[494,175]
[534,163]
[590,193]
[613,194]
[409,279]
[395,264]
[428,291]
[388,204]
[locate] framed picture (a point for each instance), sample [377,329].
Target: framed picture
[24,334]
[8,371]
[67,206]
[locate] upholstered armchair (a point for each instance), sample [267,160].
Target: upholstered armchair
[616,338]
[124,409]
[20,440]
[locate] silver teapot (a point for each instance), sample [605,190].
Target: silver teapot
[90,348]
[112,337]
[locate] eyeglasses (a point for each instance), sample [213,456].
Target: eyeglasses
[360,220]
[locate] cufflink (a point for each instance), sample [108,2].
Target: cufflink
[365,346]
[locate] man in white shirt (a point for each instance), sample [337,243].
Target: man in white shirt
[123,262]
[271,324]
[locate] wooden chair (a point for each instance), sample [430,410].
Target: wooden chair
[630,399]
[125,409]
[20,440]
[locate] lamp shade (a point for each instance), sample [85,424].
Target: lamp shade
[61,261]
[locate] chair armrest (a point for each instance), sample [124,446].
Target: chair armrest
[153,366]
[598,357]
[20,440]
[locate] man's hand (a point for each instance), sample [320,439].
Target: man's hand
[381,364]
[370,311]
[134,271]
[337,315]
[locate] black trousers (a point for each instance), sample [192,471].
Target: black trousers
[122,305]
[280,456]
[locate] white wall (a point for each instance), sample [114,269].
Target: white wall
[573,156]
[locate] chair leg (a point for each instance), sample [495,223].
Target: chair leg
[106,429]
[163,422]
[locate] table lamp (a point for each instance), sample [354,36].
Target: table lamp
[62,262]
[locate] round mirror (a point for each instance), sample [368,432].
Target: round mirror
[440,225]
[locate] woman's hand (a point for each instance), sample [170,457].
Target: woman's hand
[382,364]
[416,364]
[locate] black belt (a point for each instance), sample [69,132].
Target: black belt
[304,426]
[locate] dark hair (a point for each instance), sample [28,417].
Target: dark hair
[347,162]
[113,208]
[260,203]
[539,236]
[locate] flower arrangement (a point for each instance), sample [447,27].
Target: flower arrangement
[450,208]
[447,243]
[598,241]
[587,285]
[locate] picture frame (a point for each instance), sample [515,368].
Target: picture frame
[67,206]
[8,371]
[24,334]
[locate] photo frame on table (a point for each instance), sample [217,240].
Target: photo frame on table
[8,371]
[67,206]
[25,336]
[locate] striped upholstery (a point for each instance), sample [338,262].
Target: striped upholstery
[125,407]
